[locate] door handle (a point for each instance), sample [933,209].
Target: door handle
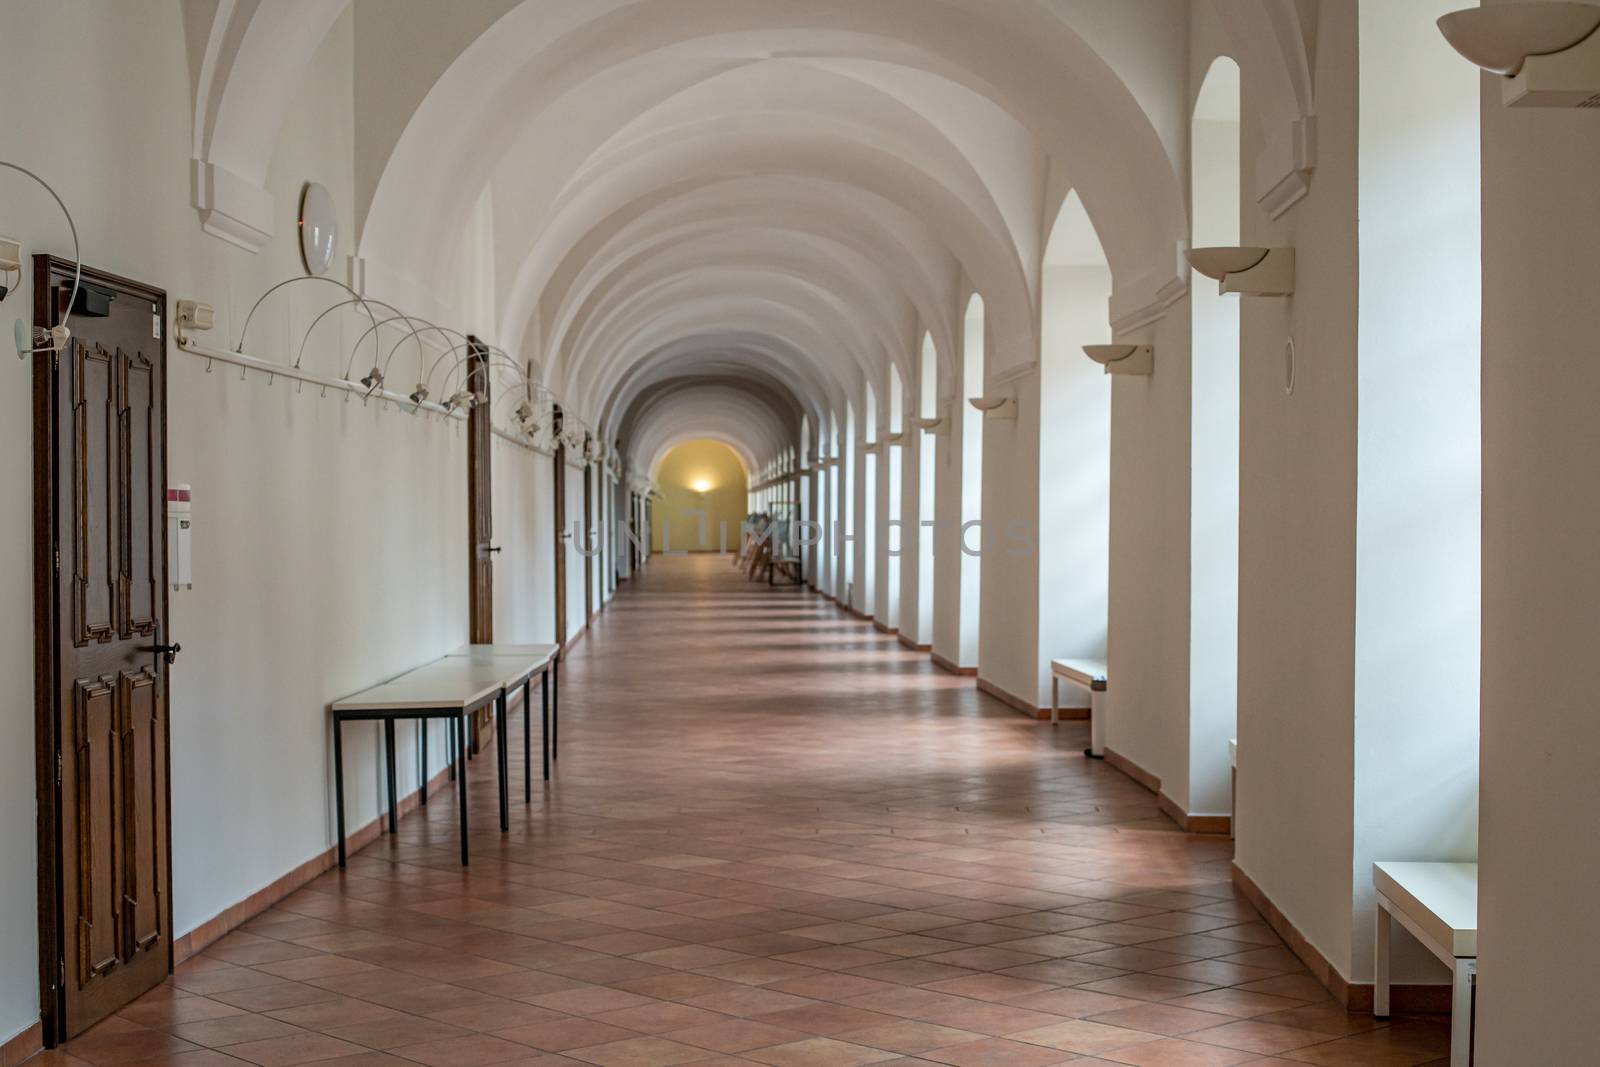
[166,652]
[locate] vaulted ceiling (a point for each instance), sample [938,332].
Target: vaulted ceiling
[724,216]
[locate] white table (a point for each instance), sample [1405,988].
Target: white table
[450,688]
[520,663]
[1438,904]
[1090,673]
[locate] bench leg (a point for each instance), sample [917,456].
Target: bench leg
[502,741]
[422,743]
[1380,962]
[1055,701]
[338,782]
[1461,1013]
[388,753]
[461,778]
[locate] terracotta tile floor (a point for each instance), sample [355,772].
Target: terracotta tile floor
[776,838]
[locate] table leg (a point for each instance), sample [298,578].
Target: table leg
[1055,701]
[388,752]
[1461,1013]
[1380,962]
[422,743]
[338,782]
[555,709]
[527,742]
[544,719]
[502,764]
[450,747]
[461,777]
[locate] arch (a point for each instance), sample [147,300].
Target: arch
[1216,196]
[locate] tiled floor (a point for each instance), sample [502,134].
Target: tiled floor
[775,838]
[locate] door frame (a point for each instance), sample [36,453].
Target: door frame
[47,665]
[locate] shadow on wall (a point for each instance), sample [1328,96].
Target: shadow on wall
[704,496]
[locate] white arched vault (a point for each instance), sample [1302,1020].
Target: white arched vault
[748,193]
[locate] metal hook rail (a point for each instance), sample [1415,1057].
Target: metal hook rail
[247,363]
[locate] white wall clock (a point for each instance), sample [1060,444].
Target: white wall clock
[319,228]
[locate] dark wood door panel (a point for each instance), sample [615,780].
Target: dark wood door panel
[142,737]
[142,496]
[90,822]
[102,725]
[93,494]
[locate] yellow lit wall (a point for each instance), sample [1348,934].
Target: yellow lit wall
[706,475]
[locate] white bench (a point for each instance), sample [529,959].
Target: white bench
[1091,674]
[1438,904]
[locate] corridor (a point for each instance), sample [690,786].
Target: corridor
[774,836]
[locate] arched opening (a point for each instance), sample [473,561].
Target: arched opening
[927,451]
[848,454]
[972,375]
[1074,449]
[867,528]
[1214,449]
[893,529]
[705,490]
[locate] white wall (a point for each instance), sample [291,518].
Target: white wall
[329,536]
[1541,586]
[1297,491]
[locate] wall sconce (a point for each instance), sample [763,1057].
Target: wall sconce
[193,315]
[419,394]
[523,412]
[373,380]
[1547,54]
[1123,359]
[37,339]
[1002,408]
[896,439]
[701,486]
[462,400]
[1247,271]
[936,425]
[10,263]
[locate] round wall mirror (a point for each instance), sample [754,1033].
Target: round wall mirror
[319,228]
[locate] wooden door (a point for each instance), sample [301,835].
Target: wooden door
[588,537]
[105,871]
[562,533]
[480,501]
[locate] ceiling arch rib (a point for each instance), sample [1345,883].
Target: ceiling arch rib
[987,257]
[769,361]
[666,321]
[719,275]
[778,212]
[1022,56]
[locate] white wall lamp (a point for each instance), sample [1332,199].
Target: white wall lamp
[1546,54]
[1002,408]
[37,339]
[1246,270]
[1123,359]
[193,316]
[896,439]
[936,425]
[10,263]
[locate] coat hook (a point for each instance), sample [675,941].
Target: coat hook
[300,386]
[270,376]
[208,364]
[324,393]
[244,372]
